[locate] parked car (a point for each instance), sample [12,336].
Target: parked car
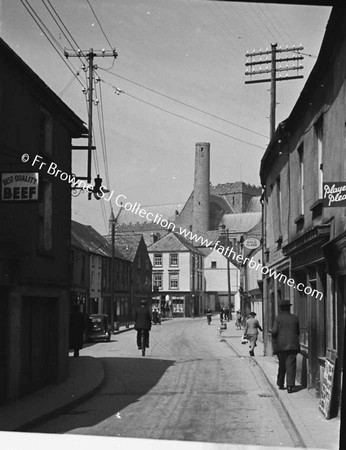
[98,327]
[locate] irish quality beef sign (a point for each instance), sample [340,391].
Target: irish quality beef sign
[19,187]
[334,194]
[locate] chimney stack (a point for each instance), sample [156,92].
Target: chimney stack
[200,220]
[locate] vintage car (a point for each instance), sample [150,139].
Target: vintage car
[97,327]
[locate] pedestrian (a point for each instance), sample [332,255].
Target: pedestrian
[143,322]
[227,313]
[77,327]
[251,331]
[238,320]
[285,336]
[221,315]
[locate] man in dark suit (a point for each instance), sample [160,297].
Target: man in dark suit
[285,334]
[143,322]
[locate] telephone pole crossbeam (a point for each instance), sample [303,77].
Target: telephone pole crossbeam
[271,63]
[89,55]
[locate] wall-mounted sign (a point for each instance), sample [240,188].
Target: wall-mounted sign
[251,243]
[334,194]
[19,186]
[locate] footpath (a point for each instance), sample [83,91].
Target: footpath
[301,407]
[86,376]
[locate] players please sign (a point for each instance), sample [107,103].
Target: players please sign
[19,186]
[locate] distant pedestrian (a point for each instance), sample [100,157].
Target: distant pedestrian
[251,331]
[285,335]
[238,320]
[226,312]
[221,315]
[143,322]
[77,327]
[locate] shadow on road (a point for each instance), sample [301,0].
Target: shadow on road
[126,380]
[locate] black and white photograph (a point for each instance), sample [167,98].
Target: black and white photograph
[172,224]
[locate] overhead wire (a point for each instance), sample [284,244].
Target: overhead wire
[103,32]
[52,40]
[185,104]
[185,118]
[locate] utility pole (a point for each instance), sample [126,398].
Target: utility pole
[274,66]
[90,55]
[112,275]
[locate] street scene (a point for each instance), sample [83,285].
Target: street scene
[172,224]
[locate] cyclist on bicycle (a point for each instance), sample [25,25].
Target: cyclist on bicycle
[143,322]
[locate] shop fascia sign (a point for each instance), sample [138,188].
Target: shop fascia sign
[251,243]
[19,186]
[334,194]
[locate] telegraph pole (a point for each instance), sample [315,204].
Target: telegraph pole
[90,55]
[271,62]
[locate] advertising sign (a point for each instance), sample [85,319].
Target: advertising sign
[334,194]
[251,243]
[19,186]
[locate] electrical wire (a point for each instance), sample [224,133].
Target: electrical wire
[54,43]
[190,120]
[104,34]
[185,104]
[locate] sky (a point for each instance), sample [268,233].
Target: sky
[181,67]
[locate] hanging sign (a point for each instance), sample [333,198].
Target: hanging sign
[251,243]
[334,194]
[19,186]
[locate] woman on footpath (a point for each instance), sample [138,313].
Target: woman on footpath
[251,331]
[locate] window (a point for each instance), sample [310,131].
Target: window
[319,135]
[158,259]
[173,260]
[138,262]
[46,133]
[45,224]
[173,281]
[279,207]
[301,179]
[213,265]
[157,280]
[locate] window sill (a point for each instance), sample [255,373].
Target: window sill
[317,207]
[299,220]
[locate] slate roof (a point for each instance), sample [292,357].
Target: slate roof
[71,120]
[88,239]
[173,242]
[241,223]
[127,244]
[167,211]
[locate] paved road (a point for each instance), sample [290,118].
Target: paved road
[190,386]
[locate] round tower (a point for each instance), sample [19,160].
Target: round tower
[200,219]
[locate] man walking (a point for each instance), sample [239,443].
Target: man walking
[285,334]
[143,322]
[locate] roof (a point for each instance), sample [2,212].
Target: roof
[72,121]
[173,242]
[167,211]
[126,244]
[241,223]
[87,238]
